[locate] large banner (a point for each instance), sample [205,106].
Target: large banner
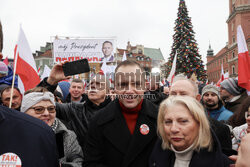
[95,50]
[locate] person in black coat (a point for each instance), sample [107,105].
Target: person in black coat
[185,136]
[76,116]
[124,132]
[27,137]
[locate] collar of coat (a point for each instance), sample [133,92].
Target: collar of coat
[148,108]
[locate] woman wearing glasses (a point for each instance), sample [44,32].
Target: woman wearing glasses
[40,103]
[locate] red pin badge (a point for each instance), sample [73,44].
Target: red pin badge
[10,159]
[144,129]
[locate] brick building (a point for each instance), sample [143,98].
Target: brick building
[239,14]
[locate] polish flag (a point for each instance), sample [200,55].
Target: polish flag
[172,72]
[6,61]
[25,66]
[222,73]
[124,57]
[243,60]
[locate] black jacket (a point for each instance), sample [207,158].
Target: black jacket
[156,96]
[166,158]
[76,116]
[30,138]
[109,142]
[235,106]
[68,98]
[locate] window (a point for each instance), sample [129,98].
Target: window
[139,51]
[233,54]
[233,39]
[233,69]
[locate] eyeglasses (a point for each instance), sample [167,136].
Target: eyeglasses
[40,109]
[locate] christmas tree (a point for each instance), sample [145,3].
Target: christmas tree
[185,46]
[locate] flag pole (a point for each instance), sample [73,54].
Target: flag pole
[14,74]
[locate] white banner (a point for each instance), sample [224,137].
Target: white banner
[95,50]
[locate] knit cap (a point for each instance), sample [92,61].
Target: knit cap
[231,85]
[210,88]
[3,68]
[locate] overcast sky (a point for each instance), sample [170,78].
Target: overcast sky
[146,22]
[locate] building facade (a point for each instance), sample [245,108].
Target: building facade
[239,14]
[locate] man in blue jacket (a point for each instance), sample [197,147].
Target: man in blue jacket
[26,141]
[213,105]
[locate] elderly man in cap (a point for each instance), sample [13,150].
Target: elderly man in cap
[213,104]
[232,94]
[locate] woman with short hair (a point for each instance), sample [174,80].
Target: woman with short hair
[186,139]
[40,103]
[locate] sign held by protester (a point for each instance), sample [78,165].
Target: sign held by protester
[95,50]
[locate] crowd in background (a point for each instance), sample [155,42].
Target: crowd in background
[185,124]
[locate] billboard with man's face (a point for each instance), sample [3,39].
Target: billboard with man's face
[95,50]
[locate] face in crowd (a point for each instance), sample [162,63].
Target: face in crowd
[184,88]
[44,110]
[224,94]
[76,90]
[210,100]
[16,98]
[107,49]
[182,123]
[129,85]
[97,88]
[180,127]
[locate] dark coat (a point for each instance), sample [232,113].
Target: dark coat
[68,98]
[110,143]
[234,106]
[223,134]
[30,138]
[76,116]
[166,158]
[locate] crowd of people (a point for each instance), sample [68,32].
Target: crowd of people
[136,123]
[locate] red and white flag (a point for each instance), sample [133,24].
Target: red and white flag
[172,72]
[25,66]
[222,75]
[124,57]
[243,60]
[6,61]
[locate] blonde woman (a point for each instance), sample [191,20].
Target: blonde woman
[185,136]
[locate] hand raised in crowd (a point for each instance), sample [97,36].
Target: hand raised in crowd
[57,74]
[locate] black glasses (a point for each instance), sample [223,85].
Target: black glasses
[40,109]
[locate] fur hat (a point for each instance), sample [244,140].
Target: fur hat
[210,88]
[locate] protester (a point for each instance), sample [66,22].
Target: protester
[243,159]
[16,97]
[239,118]
[30,139]
[186,87]
[240,131]
[232,94]
[76,91]
[186,139]
[40,103]
[77,115]
[124,132]
[154,94]
[213,104]
[6,75]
